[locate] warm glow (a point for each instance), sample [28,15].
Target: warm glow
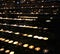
[25,45]
[7,51]
[45,50]
[40,37]
[2,49]
[45,38]
[28,17]
[11,41]
[0,38]
[7,40]
[3,39]
[31,46]
[32,13]
[15,25]
[37,49]
[16,42]
[29,35]
[35,37]
[35,27]
[25,34]
[42,6]
[1,30]
[10,32]
[48,20]
[6,30]
[52,5]
[12,52]
[17,33]
[45,28]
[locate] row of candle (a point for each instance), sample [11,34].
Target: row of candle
[21,19]
[25,19]
[23,45]
[25,35]
[23,26]
[46,13]
[6,51]
[22,6]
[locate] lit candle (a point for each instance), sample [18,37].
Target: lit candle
[17,33]
[48,20]
[7,40]
[45,38]
[3,39]
[29,35]
[7,51]
[16,42]
[12,52]
[45,28]
[40,37]
[31,46]
[45,51]
[37,49]
[11,41]
[25,34]
[35,37]
[25,45]
[2,49]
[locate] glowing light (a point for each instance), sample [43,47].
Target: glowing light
[25,45]
[17,2]
[48,20]
[31,47]
[7,40]
[51,17]
[21,13]
[25,34]
[29,35]
[2,49]
[11,41]
[1,30]
[0,38]
[17,33]
[53,6]
[3,39]
[10,32]
[37,49]
[12,52]
[45,28]
[45,50]
[16,42]
[42,0]
[4,24]
[42,6]
[35,37]
[7,31]
[14,25]
[45,38]
[35,27]
[32,13]
[7,51]
[40,37]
